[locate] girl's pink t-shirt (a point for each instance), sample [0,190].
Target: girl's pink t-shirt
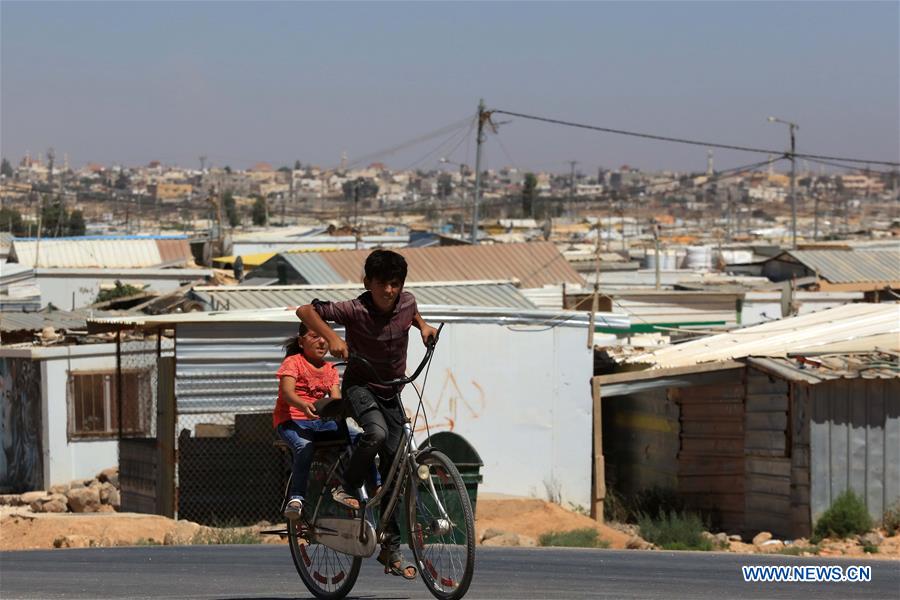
[311,384]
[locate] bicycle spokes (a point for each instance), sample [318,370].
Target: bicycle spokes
[442,527]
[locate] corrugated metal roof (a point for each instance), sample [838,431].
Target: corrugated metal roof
[532,264]
[464,314]
[102,252]
[866,365]
[855,326]
[842,266]
[499,294]
[58,319]
[314,268]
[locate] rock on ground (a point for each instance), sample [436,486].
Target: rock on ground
[762,536]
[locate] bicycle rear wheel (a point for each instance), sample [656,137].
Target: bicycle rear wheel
[326,573]
[443,542]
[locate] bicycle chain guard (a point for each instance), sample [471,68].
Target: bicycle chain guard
[342,535]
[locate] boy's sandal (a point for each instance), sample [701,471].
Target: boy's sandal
[342,497]
[393,565]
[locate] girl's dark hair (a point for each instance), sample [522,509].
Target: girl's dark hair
[292,344]
[385,265]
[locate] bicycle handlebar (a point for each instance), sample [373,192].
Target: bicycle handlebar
[401,380]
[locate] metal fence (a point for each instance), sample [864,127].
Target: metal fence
[229,472]
[141,384]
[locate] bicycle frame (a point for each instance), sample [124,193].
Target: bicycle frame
[404,459]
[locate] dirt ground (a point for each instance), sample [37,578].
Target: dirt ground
[20,529]
[533,517]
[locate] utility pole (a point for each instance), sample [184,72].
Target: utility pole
[792,128]
[356,213]
[479,140]
[202,164]
[816,217]
[728,219]
[572,164]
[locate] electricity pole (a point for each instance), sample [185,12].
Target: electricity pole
[792,127]
[479,140]
[572,164]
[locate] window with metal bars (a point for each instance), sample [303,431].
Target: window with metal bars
[93,403]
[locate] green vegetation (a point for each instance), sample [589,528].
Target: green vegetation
[11,220]
[260,211]
[226,535]
[6,168]
[891,518]
[576,538]
[674,531]
[529,195]
[651,501]
[231,213]
[121,290]
[870,549]
[846,516]
[147,542]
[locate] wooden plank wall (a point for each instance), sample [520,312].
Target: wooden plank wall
[801,407]
[640,441]
[767,459]
[711,455]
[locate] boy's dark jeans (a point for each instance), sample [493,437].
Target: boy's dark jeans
[382,423]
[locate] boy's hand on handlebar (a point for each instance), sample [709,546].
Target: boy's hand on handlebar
[429,334]
[339,349]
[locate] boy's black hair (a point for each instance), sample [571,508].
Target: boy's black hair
[385,265]
[292,344]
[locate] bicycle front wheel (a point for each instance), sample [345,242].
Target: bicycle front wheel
[326,573]
[441,526]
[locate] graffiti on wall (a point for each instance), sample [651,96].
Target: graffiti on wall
[21,463]
[451,403]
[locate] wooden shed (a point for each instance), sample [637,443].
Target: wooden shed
[757,444]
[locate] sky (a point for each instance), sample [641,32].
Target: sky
[239,83]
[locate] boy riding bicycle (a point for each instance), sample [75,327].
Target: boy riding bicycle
[377,327]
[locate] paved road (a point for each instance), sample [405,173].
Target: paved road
[266,573]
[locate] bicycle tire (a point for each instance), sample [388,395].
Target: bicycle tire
[444,551]
[326,573]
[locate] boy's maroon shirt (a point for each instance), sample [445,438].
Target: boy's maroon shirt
[382,338]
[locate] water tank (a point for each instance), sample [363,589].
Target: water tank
[698,258]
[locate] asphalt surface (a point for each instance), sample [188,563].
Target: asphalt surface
[266,572]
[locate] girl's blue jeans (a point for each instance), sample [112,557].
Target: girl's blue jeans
[299,435]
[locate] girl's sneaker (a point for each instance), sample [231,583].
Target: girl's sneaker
[294,508]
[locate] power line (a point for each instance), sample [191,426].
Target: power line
[412,142]
[664,138]
[851,167]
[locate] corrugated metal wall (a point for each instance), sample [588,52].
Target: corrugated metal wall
[238,358]
[855,442]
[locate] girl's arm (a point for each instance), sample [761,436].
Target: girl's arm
[286,386]
[335,392]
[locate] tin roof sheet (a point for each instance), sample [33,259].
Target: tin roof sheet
[111,252]
[848,266]
[856,327]
[532,264]
[499,294]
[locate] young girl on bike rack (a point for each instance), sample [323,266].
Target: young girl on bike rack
[377,326]
[304,377]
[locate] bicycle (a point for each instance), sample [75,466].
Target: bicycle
[328,545]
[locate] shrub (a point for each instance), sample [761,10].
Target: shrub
[651,501]
[576,538]
[891,518]
[846,516]
[674,531]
